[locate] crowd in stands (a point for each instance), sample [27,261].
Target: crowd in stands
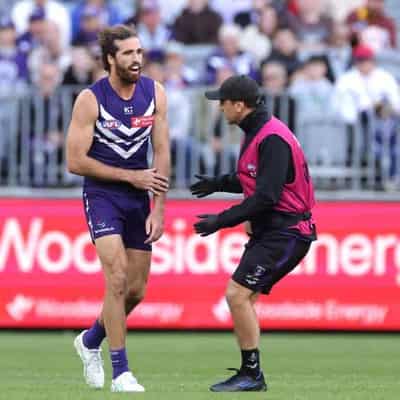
[321,54]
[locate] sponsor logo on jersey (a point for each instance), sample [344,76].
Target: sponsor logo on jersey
[128,110]
[142,122]
[111,124]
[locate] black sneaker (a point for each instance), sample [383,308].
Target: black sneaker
[241,382]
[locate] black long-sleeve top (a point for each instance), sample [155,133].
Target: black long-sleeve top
[275,168]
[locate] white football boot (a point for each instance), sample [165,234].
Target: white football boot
[126,382]
[93,370]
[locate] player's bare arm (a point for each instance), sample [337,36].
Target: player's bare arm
[79,140]
[161,163]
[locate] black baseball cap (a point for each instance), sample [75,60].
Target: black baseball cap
[236,88]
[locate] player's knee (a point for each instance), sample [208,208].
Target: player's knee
[135,294]
[235,296]
[232,297]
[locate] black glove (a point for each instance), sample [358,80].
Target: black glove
[207,225]
[205,186]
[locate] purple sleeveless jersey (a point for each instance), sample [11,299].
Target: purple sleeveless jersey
[122,130]
[121,139]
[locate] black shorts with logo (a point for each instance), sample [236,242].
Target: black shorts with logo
[267,259]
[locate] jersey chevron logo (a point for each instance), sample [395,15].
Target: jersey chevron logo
[109,133]
[116,139]
[123,153]
[123,128]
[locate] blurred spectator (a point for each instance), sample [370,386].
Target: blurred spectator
[285,50]
[375,37]
[133,19]
[312,88]
[312,92]
[169,11]
[13,81]
[179,121]
[339,50]
[365,92]
[251,15]
[49,52]
[274,81]
[372,26]
[13,62]
[80,71]
[152,32]
[154,69]
[48,80]
[274,78]
[197,24]
[180,124]
[90,26]
[365,87]
[310,26]
[260,34]
[98,66]
[125,8]
[54,11]
[36,31]
[47,138]
[105,12]
[183,143]
[339,10]
[177,72]
[292,7]
[228,10]
[229,55]
[220,155]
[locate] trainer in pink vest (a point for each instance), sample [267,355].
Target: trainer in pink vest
[298,196]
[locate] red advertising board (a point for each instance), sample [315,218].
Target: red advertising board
[50,277]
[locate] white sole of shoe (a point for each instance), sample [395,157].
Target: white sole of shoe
[78,349]
[139,389]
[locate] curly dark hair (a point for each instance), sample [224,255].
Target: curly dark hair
[107,38]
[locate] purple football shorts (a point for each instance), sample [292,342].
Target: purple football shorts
[124,214]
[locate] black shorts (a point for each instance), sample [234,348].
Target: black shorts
[267,260]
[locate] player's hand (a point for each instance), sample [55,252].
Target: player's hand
[149,179]
[154,226]
[207,225]
[205,186]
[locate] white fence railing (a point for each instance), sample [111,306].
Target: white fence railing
[360,157]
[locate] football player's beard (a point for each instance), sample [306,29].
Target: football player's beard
[127,76]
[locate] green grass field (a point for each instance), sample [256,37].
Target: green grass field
[183,365]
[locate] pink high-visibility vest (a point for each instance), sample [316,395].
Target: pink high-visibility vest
[298,196]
